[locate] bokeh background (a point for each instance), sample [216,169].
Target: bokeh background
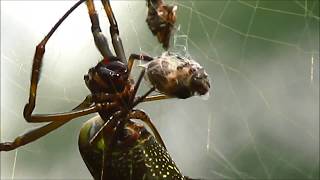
[261,120]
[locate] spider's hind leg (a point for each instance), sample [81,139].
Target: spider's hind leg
[37,63]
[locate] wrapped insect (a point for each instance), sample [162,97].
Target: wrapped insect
[161,19]
[177,76]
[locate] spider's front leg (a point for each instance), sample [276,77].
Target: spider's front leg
[114,31]
[56,120]
[100,40]
[34,134]
[41,131]
[37,63]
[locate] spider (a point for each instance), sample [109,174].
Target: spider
[112,145]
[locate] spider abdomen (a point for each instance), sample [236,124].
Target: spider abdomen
[130,158]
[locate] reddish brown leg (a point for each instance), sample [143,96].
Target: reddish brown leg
[99,39]
[156,98]
[37,63]
[38,132]
[134,57]
[58,119]
[30,136]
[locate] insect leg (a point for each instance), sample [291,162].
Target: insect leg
[99,39]
[114,31]
[37,63]
[139,114]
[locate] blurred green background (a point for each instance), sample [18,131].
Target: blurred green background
[261,120]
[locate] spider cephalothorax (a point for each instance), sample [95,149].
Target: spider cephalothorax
[107,77]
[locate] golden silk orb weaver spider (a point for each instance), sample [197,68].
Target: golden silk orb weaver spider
[112,145]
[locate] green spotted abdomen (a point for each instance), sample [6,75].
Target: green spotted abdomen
[141,159]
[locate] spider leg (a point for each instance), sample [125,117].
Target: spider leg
[38,132]
[111,131]
[136,86]
[37,63]
[85,108]
[156,98]
[108,126]
[140,99]
[31,136]
[66,116]
[114,31]
[134,57]
[82,109]
[99,39]
[87,102]
[139,114]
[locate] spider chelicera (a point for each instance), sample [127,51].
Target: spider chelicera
[111,144]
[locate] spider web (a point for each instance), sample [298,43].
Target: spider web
[260,121]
